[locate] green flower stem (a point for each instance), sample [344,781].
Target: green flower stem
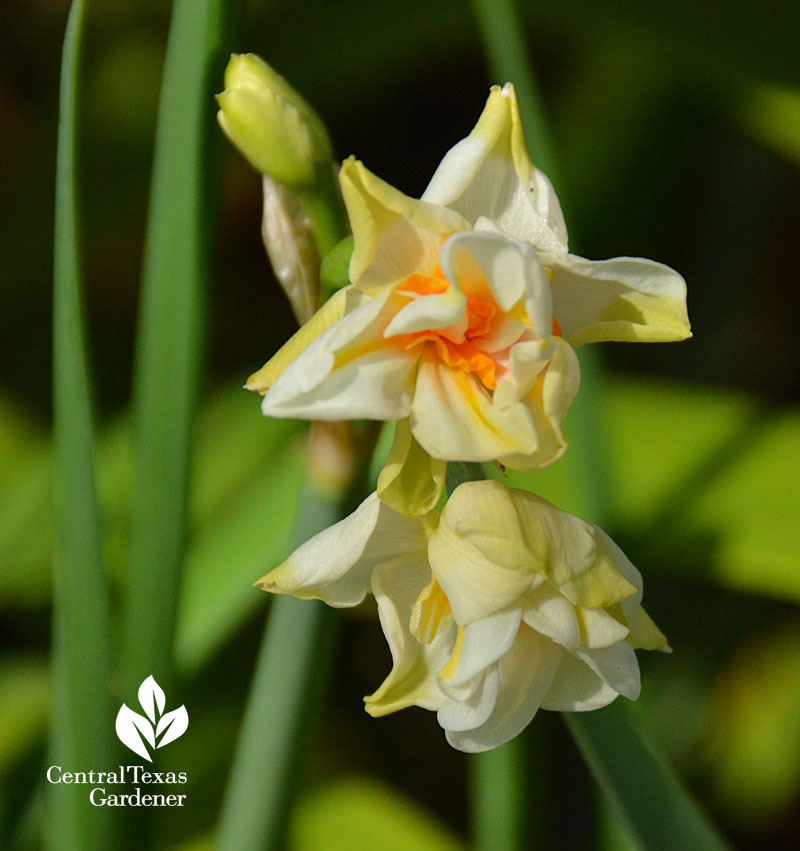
[324,205]
[82,715]
[170,334]
[459,472]
[498,797]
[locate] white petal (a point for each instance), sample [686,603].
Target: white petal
[527,359]
[429,311]
[479,175]
[336,565]
[484,642]
[412,681]
[577,688]
[601,630]
[551,614]
[526,673]
[618,667]
[502,335]
[490,174]
[511,269]
[460,715]
[395,236]
[453,417]
[627,299]
[348,372]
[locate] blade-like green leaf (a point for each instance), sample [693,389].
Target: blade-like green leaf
[289,678]
[82,720]
[169,342]
[652,806]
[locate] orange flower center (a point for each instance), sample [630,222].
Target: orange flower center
[457,348]
[462,355]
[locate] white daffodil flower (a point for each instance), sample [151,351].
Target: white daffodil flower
[465,307]
[501,606]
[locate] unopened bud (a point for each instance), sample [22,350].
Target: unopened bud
[271,124]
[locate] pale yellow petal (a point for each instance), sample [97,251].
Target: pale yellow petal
[526,673]
[547,400]
[342,302]
[514,536]
[490,174]
[336,565]
[453,417]
[411,482]
[644,634]
[412,680]
[478,554]
[395,236]
[626,299]
[599,629]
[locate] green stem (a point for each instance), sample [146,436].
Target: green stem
[497,797]
[169,342]
[324,205]
[82,717]
[459,472]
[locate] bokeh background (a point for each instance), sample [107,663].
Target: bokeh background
[677,132]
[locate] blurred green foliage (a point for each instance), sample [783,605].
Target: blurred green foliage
[677,131]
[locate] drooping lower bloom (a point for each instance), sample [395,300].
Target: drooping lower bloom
[499,607]
[465,306]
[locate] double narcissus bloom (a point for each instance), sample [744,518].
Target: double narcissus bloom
[459,323]
[464,308]
[499,607]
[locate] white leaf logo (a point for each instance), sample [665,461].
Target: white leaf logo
[136,731]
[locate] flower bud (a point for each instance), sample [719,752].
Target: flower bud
[288,236]
[271,124]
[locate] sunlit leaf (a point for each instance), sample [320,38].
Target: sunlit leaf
[754,729]
[771,114]
[361,812]
[247,536]
[24,696]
